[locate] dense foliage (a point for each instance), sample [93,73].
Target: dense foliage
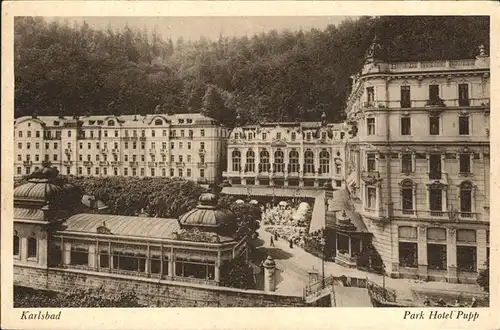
[237,274]
[369,259]
[292,75]
[30,298]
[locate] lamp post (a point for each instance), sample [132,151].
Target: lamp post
[323,244]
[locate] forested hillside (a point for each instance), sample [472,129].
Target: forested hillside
[292,75]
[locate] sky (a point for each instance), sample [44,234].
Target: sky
[192,28]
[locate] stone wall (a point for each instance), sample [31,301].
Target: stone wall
[151,292]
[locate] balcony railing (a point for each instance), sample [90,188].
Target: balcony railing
[142,138]
[67,162]
[163,150]
[115,163]
[432,65]
[115,151]
[104,151]
[27,163]
[152,164]
[435,175]
[134,164]
[87,163]
[180,164]
[370,177]
[162,163]
[471,102]
[435,103]
[103,163]
[152,151]
[202,151]
[369,104]
[67,151]
[202,165]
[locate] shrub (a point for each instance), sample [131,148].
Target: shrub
[484,278]
[370,259]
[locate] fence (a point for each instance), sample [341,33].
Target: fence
[375,291]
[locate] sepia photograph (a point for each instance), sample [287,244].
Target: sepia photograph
[251,161]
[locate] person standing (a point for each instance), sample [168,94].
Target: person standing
[272,241]
[276,236]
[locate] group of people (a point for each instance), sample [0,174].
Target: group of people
[442,303]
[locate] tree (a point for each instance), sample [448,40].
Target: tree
[484,278]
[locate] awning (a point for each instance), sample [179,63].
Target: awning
[318,220]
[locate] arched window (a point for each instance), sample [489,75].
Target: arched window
[466,199]
[111,123]
[16,244]
[407,197]
[324,162]
[308,162]
[293,162]
[279,161]
[250,165]
[236,156]
[264,165]
[158,122]
[32,247]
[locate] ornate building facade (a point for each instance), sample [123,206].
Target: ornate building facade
[418,163]
[307,154]
[191,146]
[52,232]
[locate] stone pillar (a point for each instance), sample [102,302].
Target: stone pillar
[42,251]
[422,252]
[67,253]
[269,274]
[171,263]
[24,248]
[445,199]
[427,197]
[92,256]
[451,255]
[378,201]
[481,246]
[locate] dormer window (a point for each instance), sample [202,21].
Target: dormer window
[91,122]
[264,136]
[158,122]
[323,135]
[181,121]
[294,136]
[278,136]
[111,123]
[189,121]
[56,123]
[236,136]
[308,135]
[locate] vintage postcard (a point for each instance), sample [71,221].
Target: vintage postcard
[253,165]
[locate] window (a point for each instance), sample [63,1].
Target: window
[153,133]
[181,145]
[371,194]
[264,136]
[182,133]
[32,247]
[250,161]
[180,158]
[264,165]
[279,161]
[163,172]
[338,167]
[408,249]
[308,162]
[202,132]
[435,166]
[172,158]
[172,145]
[68,170]
[37,145]
[407,197]
[406,163]
[129,261]
[294,136]
[106,133]
[16,244]
[202,158]
[79,255]
[19,170]
[188,172]
[134,133]
[143,145]
[434,125]
[80,171]
[278,135]
[142,158]
[55,145]
[436,248]
[97,171]
[37,158]
[464,160]
[190,133]
[29,134]
[88,170]
[202,145]
[436,200]
[202,173]
[28,145]
[55,157]
[152,172]
[434,98]
[324,162]
[463,125]
[463,95]
[323,135]
[164,132]
[89,145]
[293,162]
[20,134]
[20,145]
[126,145]
[370,96]
[406,126]
[142,171]
[143,133]
[370,126]
[171,172]
[180,172]
[466,250]
[370,162]
[189,145]
[189,268]
[134,145]
[116,133]
[125,171]
[236,159]
[405,97]
[466,199]
[47,145]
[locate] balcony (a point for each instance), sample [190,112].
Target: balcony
[369,104]
[432,65]
[115,151]
[142,138]
[126,138]
[152,151]
[133,138]
[115,163]
[180,164]
[202,151]
[162,163]
[370,177]
[437,102]
[152,164]
[202,165]
[67,162]
[163,150]
[103,163]
[104,151]
[87,163]
[134,164]
[27,163]
[67,151]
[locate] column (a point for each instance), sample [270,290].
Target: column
[422,252]
[451,254]
[92,256]
[427,197]
[257,165]
[24,248]
[217,268]
[378,200]
[362,194]
[229,160]
[427,158]
[414,199]
[97,256]
[445,199]
[171,263]
[67,253]
[42,252]
[148,261]
[481,246]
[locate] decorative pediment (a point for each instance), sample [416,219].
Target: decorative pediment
[102,229]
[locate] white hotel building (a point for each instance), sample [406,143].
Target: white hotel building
[190,146]
[418,163]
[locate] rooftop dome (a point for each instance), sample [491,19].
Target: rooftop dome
[43,188]
[207,215]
